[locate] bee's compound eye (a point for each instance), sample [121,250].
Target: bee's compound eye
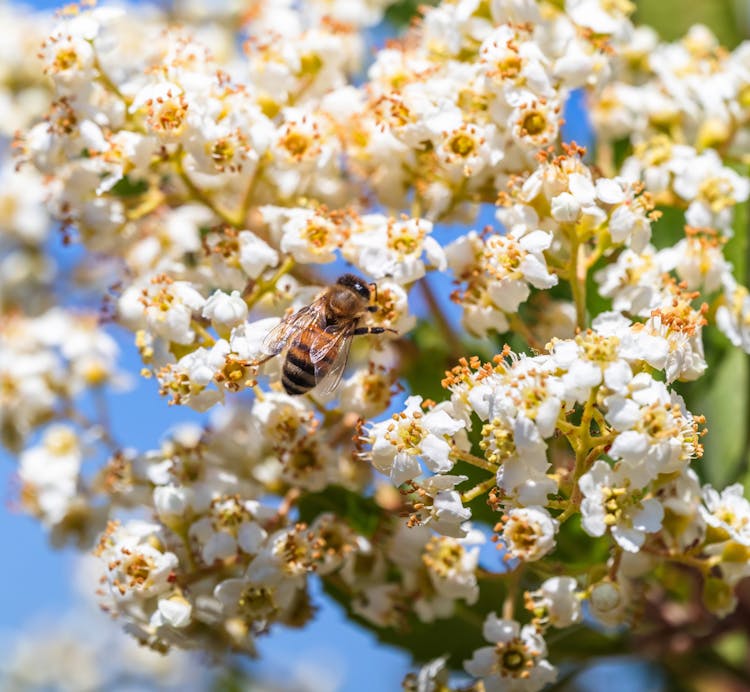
[356,284]
[363,290]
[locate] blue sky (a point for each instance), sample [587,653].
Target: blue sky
[36,580]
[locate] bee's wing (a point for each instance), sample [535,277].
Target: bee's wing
[330,377]
[278,338]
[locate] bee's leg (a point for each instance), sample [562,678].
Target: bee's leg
[359,331]
[256,363]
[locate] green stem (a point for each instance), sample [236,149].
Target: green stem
[467,615]
[478,489]
[473,460]
[578,281]
[601,246]
[491,576]
[514,580]
[201,195]
[106,81]
[247,199]
[580,440]
[197,327]
[263,287]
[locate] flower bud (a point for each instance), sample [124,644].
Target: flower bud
[225,311]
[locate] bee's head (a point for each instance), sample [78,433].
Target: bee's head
[356,284]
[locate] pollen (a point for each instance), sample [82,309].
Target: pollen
[598,348]
[497,442]
[442,556]
[65,59]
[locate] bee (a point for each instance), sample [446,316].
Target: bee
[318,337]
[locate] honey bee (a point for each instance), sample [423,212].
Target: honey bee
[318,337]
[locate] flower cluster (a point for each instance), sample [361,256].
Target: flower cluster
[626,470]
[660,88]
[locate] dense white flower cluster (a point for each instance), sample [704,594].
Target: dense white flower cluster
[218,175]
[219,566]
[631,441]
[661,88]
[469,102]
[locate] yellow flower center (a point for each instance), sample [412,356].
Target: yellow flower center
[462,144]
[534,123]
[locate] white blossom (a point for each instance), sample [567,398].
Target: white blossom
[529,533]
[559,601]
[515,662]
[609,503]
[399,443]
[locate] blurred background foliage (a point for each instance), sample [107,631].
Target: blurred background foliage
[728,19]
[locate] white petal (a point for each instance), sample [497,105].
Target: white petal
[435,253]
[482,662]
[582,188]
[536,273]
[622,412]
[250,537]
[526,435]
[436,454]
[630,445]
[536,241]
[649,517]
[441,423]
[618,376]
[496,629]
[565,207]
[609,191]
[628,539]
[219,546]
[592,517]
[405,467]
[176,612]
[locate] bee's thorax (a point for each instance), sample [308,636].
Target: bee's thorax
[344,304]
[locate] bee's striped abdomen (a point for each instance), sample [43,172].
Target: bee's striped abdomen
[300,374]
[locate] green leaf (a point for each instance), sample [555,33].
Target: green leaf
[669,228]
[361,513]
[426,357]
[460,635]
[125,187]
[725,408]
[401,13]
[576,549]
[736,250]
[581,643]
[621,149]
[231,679]
[457,637]
[596,303]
